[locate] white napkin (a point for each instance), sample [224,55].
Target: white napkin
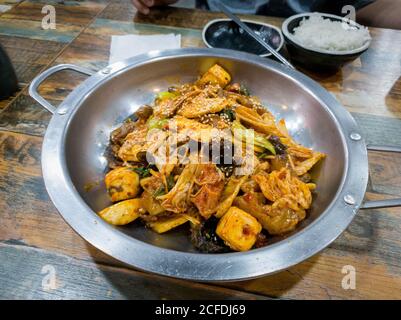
[4,8]
[124,47]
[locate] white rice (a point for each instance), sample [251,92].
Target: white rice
[319,33]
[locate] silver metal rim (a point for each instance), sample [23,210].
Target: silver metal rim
[195,266]
[251,21]
[290,36]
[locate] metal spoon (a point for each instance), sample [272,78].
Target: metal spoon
[253,34]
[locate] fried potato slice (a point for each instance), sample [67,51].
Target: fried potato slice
[215,75]
[122,213]
[122,184]
[165,108]
[163,225]
[238,229]
[201,105]
[179,123]
[134,145]
[139,142]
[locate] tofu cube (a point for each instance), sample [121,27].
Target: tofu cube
[238,229]
[215,75]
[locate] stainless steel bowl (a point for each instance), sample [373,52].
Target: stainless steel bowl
[78,135]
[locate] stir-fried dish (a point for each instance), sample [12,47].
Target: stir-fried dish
[209,155]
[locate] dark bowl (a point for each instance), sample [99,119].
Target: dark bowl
[226,34]
[8,78]
[317,59]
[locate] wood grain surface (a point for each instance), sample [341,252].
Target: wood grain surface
[33,235]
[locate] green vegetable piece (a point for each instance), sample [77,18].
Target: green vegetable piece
[170,182]
[159,192]
[246,134]
[166,95]
[143,172]
[229,113]
[244,90]
[155,123]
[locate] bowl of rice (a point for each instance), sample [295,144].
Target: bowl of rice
[323,41]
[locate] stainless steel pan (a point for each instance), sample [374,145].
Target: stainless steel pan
[78,134]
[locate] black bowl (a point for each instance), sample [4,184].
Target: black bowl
[8,78]
[315,59]
[226,34]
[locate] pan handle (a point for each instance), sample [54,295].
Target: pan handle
[390,203]
[33,88]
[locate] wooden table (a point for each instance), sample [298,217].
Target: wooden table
[35,242]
